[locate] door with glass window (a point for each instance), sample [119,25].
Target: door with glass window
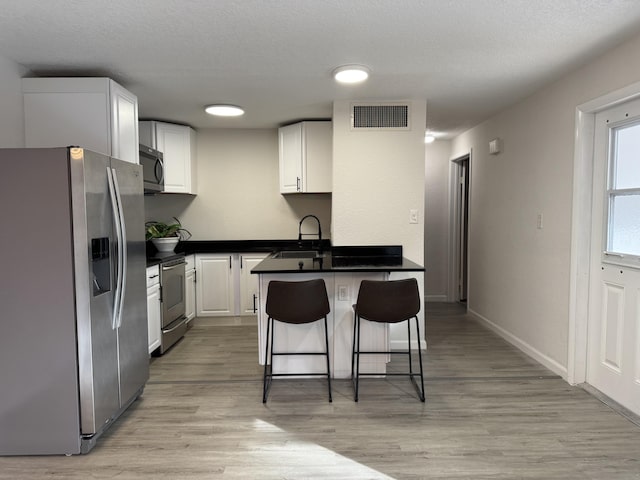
[613,364]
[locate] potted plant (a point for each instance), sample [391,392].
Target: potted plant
[165,236]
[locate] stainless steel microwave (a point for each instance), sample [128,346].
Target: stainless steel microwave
[152,168]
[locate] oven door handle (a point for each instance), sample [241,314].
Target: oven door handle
[164,269]
[179,324]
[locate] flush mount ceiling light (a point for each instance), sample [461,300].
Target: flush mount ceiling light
[351,73]
[223,110]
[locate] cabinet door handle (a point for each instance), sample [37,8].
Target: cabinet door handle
[254,303]
[297,184]
[229,262]
[240,261]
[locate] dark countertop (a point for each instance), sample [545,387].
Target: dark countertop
[159,258]
[343,259]
[231,246]
[245,246]
[325,264]
[336,259]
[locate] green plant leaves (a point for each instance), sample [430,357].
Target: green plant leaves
[156,229]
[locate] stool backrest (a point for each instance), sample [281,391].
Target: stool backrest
[297,302]
[388,301]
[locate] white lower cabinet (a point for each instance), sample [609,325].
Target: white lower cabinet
[214,288]
[225,285]
[154,311]
[249,300]
[190,288]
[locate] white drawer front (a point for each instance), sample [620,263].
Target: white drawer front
[153,275]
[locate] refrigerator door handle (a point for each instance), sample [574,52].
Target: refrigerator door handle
[122,250]
[115,207]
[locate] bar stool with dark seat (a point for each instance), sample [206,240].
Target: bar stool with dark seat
[386,302]
[294,303]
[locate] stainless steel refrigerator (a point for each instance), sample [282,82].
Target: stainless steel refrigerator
[73,342]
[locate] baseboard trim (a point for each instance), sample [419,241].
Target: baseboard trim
[520,344]
[224,321]
[436,298]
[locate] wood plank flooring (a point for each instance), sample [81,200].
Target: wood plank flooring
[491,413]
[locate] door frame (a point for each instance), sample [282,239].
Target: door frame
[453,267]
[581,223]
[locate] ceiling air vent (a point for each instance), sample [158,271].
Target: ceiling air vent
[380,116]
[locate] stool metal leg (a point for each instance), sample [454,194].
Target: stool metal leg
[357,354]
[265,384]
[355,360]
[326,343]
[409,347]
[353,347]
[422,395]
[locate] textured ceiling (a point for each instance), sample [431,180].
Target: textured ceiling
[467,58]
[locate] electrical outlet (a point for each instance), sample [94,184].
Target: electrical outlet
[343,293]
[413,216]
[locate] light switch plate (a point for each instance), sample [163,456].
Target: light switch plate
[343,293]
[413,215]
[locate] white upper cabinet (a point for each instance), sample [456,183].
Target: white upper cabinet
[124,124]
[305,151]
[93,113]
[178,146]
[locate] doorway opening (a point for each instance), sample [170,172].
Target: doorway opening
[459,272]
[594,343]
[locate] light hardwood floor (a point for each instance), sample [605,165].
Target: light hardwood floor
[491,413]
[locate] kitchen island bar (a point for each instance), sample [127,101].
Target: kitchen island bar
[342,269]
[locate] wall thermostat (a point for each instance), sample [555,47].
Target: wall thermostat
[495,147]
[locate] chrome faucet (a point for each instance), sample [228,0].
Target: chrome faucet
[319,231]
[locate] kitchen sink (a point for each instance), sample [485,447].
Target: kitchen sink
[298,254]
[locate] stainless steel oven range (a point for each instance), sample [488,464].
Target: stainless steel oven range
[172,284]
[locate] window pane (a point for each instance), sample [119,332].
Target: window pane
[627,161]
[625,225]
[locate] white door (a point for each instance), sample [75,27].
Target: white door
[613,364]
[124,124]
[154,315]
[214,289]
[290,158]
[249,300]
[174,141]
[190,294]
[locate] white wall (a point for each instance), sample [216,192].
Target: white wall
[436,220]
[238,196]
[377,178]
[519,275]
[11,109]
